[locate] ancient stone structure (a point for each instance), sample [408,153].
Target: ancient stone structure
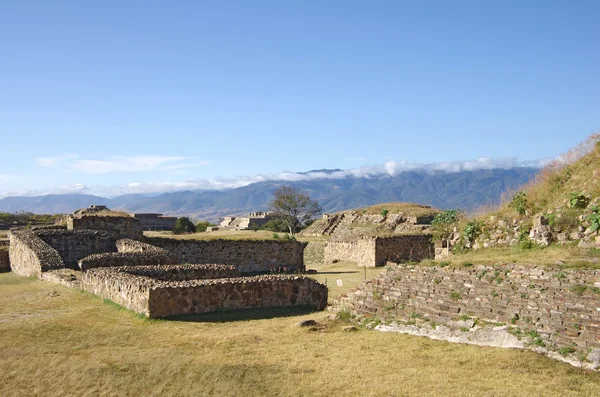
[30,255]
[72,245]
[123,226]
[151,221]
[560,307]
[376,251]
[249,256]
[4,261]
[151,292]
[114,259]
[254,219]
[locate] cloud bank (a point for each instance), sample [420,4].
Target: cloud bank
[149,163]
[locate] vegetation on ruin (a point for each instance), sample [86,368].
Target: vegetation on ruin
[113,213]
[399,207]
[56,341]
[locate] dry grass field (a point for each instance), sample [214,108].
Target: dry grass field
[55,341]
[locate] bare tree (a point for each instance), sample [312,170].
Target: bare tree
[293,207]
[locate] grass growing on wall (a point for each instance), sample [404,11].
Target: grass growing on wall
[56,341]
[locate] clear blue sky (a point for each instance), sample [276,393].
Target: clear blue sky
[117,92]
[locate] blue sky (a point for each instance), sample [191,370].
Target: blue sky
[121,96]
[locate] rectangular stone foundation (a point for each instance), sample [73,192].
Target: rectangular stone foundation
[166,291]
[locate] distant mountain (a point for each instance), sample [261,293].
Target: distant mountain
[466,190]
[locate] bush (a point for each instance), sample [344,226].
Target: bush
[578,200]
[184,225]
[472,230]
[202,226]
[384,212]
[275,225]
[444,222]
[519,202]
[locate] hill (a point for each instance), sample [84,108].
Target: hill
[467,190]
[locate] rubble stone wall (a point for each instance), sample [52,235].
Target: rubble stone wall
[248,256]
[123,226]
[157,298]
[73,245]
[29,255]
[115,259]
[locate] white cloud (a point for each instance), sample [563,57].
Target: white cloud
[73,163]
[153,163]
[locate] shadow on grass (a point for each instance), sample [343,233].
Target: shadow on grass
[245,315]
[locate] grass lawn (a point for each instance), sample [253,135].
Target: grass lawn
[55,341]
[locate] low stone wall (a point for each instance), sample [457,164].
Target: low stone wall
[4,261]
[115,259]
[157,298]
[376,251]
[314,253]
[185,272]
[29,255]
[360,250]
[73,245]
[413,247]
[563,307]
[127,245]
[123,226]
[249,256]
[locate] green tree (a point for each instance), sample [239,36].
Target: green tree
[202,226]
[294,207]
[184,225]
[275,225]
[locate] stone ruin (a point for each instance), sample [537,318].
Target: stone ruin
[110,257]
[254,219]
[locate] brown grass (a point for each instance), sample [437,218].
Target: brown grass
[55,341]
[566,256]
[399,207]
[233,235]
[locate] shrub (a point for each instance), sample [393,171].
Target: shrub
[472,230]
[444,222]
[184,225]
[275,225]
[578,200]
[519,202]
[384,212]
[594,219]
[202,226]
[275,236]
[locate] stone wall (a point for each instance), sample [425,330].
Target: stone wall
[123,226]
[413,247]
[73,245]
[111,259]
[376,251]
[249,256]
[185,272]
[157,298]
[360,250]
[4,261]
[562,306]
[156,221]
[314,253]
[127,245]
[29,255]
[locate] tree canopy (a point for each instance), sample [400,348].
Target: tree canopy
[184,225]
[294,208]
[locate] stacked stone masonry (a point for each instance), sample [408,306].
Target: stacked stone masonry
[249,256]
[158,298]
[563,306]
[72,245]
[4,261]
[123,226]
[376,251]
[30,255]
[115,259]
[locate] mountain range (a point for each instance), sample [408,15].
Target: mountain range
[466,190]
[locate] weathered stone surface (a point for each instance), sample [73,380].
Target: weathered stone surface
[562,306]
[159,298]
[110,259]
[249,256]
[376,251]
[122,226]
[4,261]
[73,245]
[30,255]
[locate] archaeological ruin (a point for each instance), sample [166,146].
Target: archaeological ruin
[160,277]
